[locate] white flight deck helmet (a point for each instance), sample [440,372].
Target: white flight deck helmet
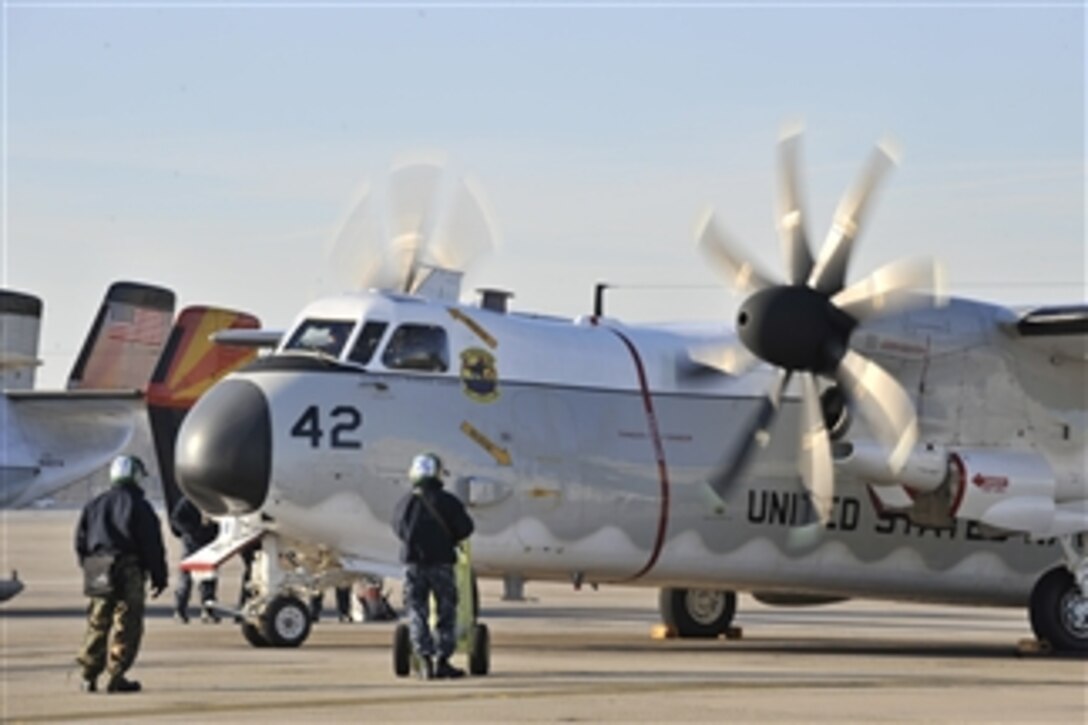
[127,469]
[425,466]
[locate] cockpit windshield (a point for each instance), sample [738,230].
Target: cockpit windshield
[417,347]
[367,342]
[322,336]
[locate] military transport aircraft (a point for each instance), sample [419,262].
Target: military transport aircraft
[872,440]
[50,439]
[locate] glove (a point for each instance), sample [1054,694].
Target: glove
[156,590]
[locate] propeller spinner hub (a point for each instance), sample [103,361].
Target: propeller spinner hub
[794,327]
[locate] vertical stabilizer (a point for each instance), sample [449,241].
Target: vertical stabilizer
[189,365]
[125,340]
[20,328]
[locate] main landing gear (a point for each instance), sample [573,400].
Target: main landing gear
[1059,602]
[705,613]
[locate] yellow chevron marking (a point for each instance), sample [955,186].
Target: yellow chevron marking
[474,326]
[500,454]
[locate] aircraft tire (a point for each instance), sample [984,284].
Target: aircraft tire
[253,635]
[285,622]
[697,613]
[479,659]
[1059,612]
[402,651]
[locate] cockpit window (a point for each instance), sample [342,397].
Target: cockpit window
[323,336]
[417,347]
[367,342]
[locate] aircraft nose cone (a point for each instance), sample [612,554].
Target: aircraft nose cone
[224,449]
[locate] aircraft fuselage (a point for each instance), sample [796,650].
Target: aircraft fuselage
[583,451]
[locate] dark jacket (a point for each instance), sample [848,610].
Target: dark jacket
[121,521]
[426,541]
[195,531]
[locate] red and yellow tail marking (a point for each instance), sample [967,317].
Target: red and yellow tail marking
[191,362]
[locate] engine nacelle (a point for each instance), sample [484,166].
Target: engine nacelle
[1012,490]
[924,470]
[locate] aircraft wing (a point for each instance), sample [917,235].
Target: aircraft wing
[248,338]
[1059,330]
[53,438]
[46,396]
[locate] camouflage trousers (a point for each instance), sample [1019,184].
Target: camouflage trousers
[420,582]
[123,612]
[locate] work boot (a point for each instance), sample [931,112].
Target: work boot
[426,668]
[88,684]
[118,683]
[446,671]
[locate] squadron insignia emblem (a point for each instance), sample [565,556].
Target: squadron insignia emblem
[479,376]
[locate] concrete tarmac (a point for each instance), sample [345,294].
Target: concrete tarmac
[561,656]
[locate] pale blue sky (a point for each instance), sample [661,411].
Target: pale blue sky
[214,150]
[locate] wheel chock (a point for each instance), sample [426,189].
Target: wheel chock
[1033,648]
[663,631]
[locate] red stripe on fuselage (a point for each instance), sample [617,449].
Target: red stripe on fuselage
[659,454]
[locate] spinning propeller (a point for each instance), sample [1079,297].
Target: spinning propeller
[422,218]
[803,326]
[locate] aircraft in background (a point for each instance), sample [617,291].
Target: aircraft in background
[873,440]
[53,438]
[50,439]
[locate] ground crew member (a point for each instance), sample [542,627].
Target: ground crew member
[119,529]
[430,522]
[197,531]
[343,604]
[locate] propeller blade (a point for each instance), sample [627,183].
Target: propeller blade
[883,403]
[732,358]
[412,196]
[906,284]
[815,452]
[720,250]
[356,257]
[791,217]
[756,433]
[466,231]
[829,275]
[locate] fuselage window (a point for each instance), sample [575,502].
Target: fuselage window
[323,336]
[367,342]
[417,347]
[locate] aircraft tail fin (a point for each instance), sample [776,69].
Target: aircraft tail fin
[190,364]
[20,328]
[125,340]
